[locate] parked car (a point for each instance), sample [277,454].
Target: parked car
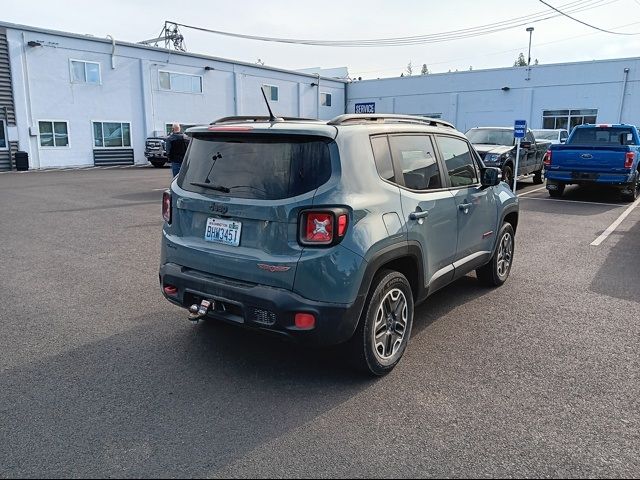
[596,155]
[554,136]
[497,147]
[154,151]
[331,232]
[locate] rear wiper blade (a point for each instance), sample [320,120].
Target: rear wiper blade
[218,188]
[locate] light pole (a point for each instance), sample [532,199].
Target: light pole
[530,30]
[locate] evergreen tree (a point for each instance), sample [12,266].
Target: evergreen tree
[425,70]
[521,61]
[410,69]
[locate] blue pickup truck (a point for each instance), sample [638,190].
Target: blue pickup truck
[596,155]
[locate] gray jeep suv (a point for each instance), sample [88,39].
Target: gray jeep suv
[331,232]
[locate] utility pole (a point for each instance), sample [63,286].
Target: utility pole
[530,30]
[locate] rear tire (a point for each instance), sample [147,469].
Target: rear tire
[633,196]
[558,192]
[496,272]
[537,178]
[385,324]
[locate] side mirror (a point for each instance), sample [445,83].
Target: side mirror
[491,177]
[563,140]
[525,144]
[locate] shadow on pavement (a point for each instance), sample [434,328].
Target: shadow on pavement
[618,276]
[168,399]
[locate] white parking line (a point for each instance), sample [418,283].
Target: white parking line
[531,191]
[575,201]
[612,228]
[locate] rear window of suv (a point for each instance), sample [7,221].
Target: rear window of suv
[262,167]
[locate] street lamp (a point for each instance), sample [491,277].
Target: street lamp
[530,30]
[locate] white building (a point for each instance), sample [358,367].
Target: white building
[547,96]
[76,100]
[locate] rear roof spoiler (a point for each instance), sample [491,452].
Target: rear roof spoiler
[259,119]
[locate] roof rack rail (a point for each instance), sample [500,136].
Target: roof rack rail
[388,118]
[256,118]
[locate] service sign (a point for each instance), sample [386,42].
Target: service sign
[367,108]
[520,129]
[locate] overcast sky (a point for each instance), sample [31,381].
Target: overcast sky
[556,40]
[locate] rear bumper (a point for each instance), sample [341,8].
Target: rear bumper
[263,308]
[568,177]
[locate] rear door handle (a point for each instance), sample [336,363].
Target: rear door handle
[418,215]
[464,207]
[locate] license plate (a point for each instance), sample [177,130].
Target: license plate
[226,232]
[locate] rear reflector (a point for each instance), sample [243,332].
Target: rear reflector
[305,321]
[170,290]
[629,159]
[342,225]
[166,206]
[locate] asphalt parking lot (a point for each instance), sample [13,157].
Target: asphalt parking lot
[100,376]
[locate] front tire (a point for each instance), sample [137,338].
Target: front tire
[385,325]
[496,272]
[507,175]
[158,163]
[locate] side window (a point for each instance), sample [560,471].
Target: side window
[529,137]
[459,161]
[416,157]
[382,156]
[563,135]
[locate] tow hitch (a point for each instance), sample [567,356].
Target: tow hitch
[198,312]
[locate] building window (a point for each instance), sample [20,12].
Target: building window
[271,92]
[180,82]
[3,135]
[325,99]
[111,134]
[53,134]
[85,72]
[567,119]
[183,127]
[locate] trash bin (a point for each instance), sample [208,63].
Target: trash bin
[21,160]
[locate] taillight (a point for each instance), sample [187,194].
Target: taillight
[323,227]
[547,158]
[629,159]
[166,206]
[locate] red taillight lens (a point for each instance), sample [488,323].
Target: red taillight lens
[629,159]
[166,206]
[342,225]
[319,227]
[547,158]
[305,321]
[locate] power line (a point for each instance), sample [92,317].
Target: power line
[491,54]
[572,7]
[585,23]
